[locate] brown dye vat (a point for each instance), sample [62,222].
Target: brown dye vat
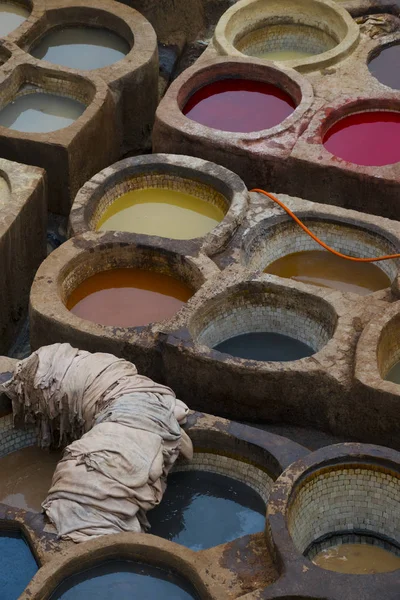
[128,297]
[357,559]
[26,476]
[322,268]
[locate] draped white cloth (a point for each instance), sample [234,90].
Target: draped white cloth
[109,478]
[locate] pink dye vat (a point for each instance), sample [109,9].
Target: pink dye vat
[368,138]
[239,105]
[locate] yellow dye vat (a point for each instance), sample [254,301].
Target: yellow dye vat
[359,559]
[162,212]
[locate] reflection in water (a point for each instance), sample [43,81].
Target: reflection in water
[18,565]
[124,580]
[202,509]
[40,112]
[359,559]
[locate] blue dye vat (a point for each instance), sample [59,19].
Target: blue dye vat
[124,580]
[202,509]
[265,346]
[18,565]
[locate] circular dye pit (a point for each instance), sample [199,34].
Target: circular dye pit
[84,48]
[285,42]
[40,112]
[124,580]
[385,66]
[201,509]
[11,16]
[324,269]
[26,476]
[163,212]
[239,105]
[128,297]
[358,559]
[367,138]
[265,346]
[18,565]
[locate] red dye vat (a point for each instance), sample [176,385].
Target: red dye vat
[239,105]
[368,138]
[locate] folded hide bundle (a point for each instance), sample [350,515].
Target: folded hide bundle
[109,478]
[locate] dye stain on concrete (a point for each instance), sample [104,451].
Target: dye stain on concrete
[202,509]
[124,580]
[128,297]
[40,112]
[18,565]
[358,559]
[322,268]
[11,16]
[385,66]
[162,212]
[84,48]
[367,138]
[265,346]
[26,476]
[239,105]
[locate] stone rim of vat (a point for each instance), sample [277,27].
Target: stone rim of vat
[85,210]
[48,312]
[281,543]
[60,150]
[310,147]
[258,12]
[377,352]
[138,68]
[253,244]
[169,112]
[36,10]
[209,433]
[20,255]
[295,294]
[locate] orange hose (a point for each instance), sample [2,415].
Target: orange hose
[314,237]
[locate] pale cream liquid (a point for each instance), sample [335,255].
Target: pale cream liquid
[285,55]
[40,113]
[358,559]
[11,16]
[81,47]
[166,213]
[25,477]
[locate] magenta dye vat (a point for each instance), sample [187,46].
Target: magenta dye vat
[367,138]
[239,105]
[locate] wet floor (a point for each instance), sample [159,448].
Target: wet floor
[202,509]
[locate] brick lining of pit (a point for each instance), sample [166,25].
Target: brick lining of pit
[258,308]
[343,502]
[254,26]
[203,179]
[276,237]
